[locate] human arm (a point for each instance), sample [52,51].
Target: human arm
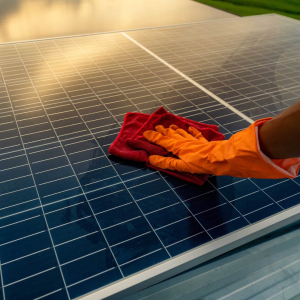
[279,138]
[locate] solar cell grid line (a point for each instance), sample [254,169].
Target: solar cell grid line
[269,93]
[164,104]
[161,103]
[193,104]
[219,51]
[167,106]
[87,202]
[267,195]
[2,285]
[129,99]
[133,105]
[133,198]
[46,223]
[256,80]
[241,214]
[130,192]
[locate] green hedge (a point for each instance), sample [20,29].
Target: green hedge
[290,8]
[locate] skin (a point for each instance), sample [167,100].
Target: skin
[280,137]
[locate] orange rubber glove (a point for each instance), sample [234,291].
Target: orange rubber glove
[240,156]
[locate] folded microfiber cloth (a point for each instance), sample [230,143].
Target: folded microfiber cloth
[131,145]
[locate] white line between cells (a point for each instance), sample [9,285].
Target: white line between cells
[190,80]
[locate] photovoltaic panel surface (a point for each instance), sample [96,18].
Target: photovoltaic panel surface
[74,219]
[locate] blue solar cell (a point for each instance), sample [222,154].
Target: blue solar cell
[178,231]
[62,172]
[205,202]
[229,119]
[57,186]
[88,266]
[127,230]
[187,192]
[229,227]
[189,243]
[264,183]
[111,200]
[94,282]
[263,213]
[28,266]
[290,201]
[144,262]
[236,126]
[18,197]
[238,190]
[37,286]
[135,248]
[252,202]
[297,179]
[67,215]
[89,186]
[20,161]
[22,229]
[81,247]
[138,172]
[148,189]
[60,205]
[20,183]
[140,181]
[216,216]
[158,201]
[118,215]
[16,218]
[283,190]
[51,162]
[221,112]
[24,247]
[221,181]
[168,215]
[74,230]
[11,173]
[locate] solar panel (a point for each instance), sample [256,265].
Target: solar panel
[75,221]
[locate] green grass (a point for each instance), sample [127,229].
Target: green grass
[289,8]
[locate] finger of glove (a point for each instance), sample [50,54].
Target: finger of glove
[184,134]
[168,163]
[159,139]
[197,134]
[168,132]
[174,127]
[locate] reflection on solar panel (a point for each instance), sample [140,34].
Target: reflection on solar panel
[73,219]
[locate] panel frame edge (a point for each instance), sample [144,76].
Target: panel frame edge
[192,258]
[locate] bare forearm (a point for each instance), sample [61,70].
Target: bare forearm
[280,137]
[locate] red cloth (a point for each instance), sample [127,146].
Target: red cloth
[131,145]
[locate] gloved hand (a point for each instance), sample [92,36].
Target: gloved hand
[239,156]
